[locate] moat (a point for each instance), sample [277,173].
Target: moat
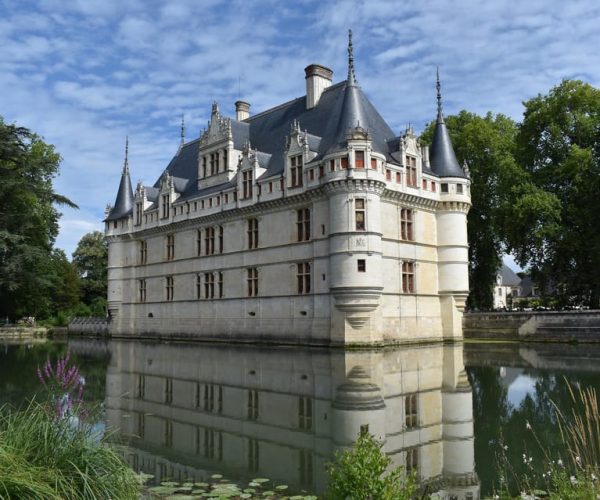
[191,410]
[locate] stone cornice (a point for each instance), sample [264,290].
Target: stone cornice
[411,200]
[352,185]
[454,206]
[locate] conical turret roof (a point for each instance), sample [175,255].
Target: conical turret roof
[441,155]
[124,201]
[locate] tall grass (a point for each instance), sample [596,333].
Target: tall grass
[49,458]
[580,430]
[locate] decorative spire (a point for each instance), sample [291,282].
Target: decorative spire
[126,162]
[351,74]
[182,129]
[438,86]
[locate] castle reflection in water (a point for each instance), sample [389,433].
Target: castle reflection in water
[193,410]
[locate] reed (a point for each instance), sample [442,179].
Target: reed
[45,457]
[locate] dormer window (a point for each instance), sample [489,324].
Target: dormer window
[411,171]
[296,170]
[359,159]
[139,210]
[373,163]
[247,184]
[165,206]
[459,189]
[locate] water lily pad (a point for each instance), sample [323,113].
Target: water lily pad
[260,480]
[169,483]
[268,493]
[254,484]
[198,491]
[281,487]
[249,490]
[217,476]
[201,485]
[246,495]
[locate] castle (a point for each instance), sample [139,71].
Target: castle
[310,223]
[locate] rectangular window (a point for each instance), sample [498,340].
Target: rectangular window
[444,187]
[168,390]
[253,455]
[204,166]
[252,282]
[270,187]
[199,242]
[305,467]
[225,160]
[209,285]
[359,214]
[226,198]
[311,174]
[410,411]
[459,188]
[408,277]
[252,232]
[331,165]
[361,265]
[296,170]
[373,163]
[247,184]
[433,187]
[406,224]
[212,164]
[142,285]
[220,228]
[388,174]
[169,288]
[252,405]
[141,388]
[220,284]
[165,206]
[398,178]
[213,398]
[411,171]
[303,224]
[143,245]
[281,184]
[170,247]
[344,162]
[198,286]
[321,171]
[424,184]
[209,241]
[305,413]
[202,204]
[412,460]
[359,159]
[303,277]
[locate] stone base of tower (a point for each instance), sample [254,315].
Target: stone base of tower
[451,309]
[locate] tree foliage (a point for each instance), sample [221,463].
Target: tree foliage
[558,144]
[28,222]
[90,260]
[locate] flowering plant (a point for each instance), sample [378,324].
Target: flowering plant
[65,385]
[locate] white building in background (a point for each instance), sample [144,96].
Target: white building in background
[508,287]
[309,223]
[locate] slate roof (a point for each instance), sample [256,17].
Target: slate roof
[124,201]
[341,107]
[509,277]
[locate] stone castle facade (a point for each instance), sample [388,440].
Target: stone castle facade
[309,223]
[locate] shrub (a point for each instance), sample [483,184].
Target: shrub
[360,474]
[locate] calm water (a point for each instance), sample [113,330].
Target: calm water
[189,410]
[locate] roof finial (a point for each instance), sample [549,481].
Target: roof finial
[438,87]
[126,162]
[182,129]
[351,75]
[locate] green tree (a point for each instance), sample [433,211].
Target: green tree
[558,144]
[28,222]
[66,283]
[91,259]
[504,200]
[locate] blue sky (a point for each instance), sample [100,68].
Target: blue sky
[86,73]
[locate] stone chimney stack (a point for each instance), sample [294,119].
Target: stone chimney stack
[318,78]
[242,110]
[425,156]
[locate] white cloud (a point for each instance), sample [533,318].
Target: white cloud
[85,74]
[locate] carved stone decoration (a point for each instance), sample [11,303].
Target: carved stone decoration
[218,128]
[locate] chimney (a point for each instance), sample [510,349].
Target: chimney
[318,78]
[242,110]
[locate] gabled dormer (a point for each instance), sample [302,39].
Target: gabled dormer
[297,155]
[359,147]
[166,196]
[411,157]
[250,168]
[216,159]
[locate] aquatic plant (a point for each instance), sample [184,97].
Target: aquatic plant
[361,473]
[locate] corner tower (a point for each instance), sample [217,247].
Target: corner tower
[451,218]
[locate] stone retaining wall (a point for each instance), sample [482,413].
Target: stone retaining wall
[534,326]
[22,332]
[89,326]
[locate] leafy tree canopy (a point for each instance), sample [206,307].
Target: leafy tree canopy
[91,259]
[28,222]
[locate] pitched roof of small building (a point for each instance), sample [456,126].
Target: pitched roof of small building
[509,277]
